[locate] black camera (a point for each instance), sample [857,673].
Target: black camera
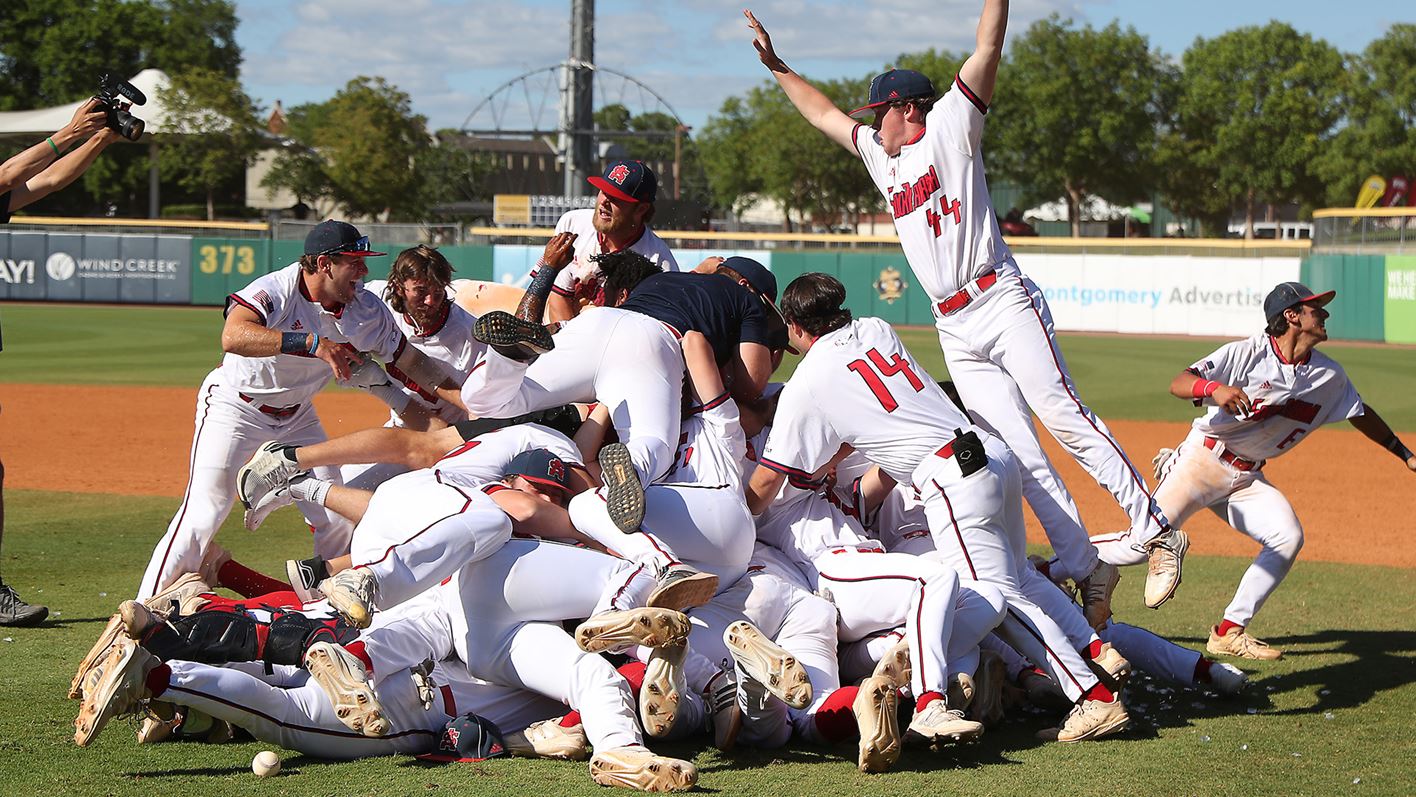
[111,96]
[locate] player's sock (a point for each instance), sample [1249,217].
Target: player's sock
[835,720]
[925,699]
[237,577]
[570,720]
[1099,692]
[1225,625]
[1202,670]
[357,648]
[633,671]
[158,679]
[310,489]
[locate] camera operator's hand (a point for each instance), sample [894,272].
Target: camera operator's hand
[88,119]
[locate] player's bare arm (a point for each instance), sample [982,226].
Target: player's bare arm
[762,488]
[703,376]
[1378,431]
[980,70]
[751,370]
[534,517]
[814,106]
[244,334]
[1186,385]
[875,485]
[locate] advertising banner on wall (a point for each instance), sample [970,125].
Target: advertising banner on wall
[86,267]
[1179,295]
[1400,298]
[512,263]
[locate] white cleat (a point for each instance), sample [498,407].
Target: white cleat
[120,682]
[351,593]
[637,768]
[266,470]
[617,630]
[1166,554]
[549,739]
[271,501]
[664,684]
[767,663]
[936,723]
[345,681]
[876,710]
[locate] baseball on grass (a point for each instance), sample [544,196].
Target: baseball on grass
[266,764]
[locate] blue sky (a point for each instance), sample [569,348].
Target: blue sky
[450,56]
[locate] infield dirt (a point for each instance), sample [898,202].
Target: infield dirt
[136,441]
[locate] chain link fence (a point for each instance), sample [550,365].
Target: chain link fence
[1365,231]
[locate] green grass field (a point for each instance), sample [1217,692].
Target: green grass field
[1334,716]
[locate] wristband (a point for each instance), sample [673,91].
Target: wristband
[53,146]
[1393,444]
[294,343]
[314,344]
[1203,388]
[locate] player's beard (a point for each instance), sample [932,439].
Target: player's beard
[621,223]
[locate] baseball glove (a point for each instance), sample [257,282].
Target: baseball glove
[1161,458]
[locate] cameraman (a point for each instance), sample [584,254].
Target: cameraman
[31,175]
[42,169]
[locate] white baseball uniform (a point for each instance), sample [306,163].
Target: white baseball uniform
[581,278]
[630,362]
[994,325]
[422,527]
[248,401]
[1220,463]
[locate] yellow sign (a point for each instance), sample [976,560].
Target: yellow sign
[511,209]
[891,285]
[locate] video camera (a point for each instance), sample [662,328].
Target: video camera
[111,95]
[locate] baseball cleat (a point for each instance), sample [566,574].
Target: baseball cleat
[648,626]
[682,587]
[987,705]
[1091,719]
[106,639]
[960,694]
[634,767]
[160,722]
[137,619]
[895,665]
[876,710]
[345,681]
[351,593]
[305,575]
[664,683]
[768,664]
[121,682]
[1227,679]
[15,612]
[1166,553]
[937,723]
[549,739]
[272,465]
[1096,593]
[624,493]
[512,337]
[1110,666]
[724,709]
[1237,642]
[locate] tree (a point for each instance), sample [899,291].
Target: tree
[359,150]
[1255,111]
[216,132]
[448,173]
[1076,113]
[1378,135]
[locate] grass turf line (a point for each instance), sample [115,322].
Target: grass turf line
[1351,652]
[1118,376]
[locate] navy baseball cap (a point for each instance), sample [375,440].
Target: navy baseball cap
[331,237]
[896,85]
[1288,294]
[540,466]
[468,738]
[631,181]
[756,274]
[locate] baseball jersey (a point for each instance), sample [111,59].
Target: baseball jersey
[1289,399]
[484,458]
[711,447]
[725,312]
[859,385]
[282,303]
[447,341]
[937,194]
[580,279]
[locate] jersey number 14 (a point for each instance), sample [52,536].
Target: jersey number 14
[895,365]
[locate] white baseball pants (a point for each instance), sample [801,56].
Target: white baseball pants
[629,362]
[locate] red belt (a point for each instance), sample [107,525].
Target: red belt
[962,299]
[1239,463]
[274,412]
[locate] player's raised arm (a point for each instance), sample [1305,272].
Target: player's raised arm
[1192,387]
[814,106]
[1371,424]
[980,71]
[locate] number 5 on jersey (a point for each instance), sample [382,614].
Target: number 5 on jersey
[895,365]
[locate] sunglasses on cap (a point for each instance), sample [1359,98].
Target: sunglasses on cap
[359,246]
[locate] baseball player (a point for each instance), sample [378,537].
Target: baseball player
[1264,395]
[902,423]
[618,222]
[286,334]
[923,152]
